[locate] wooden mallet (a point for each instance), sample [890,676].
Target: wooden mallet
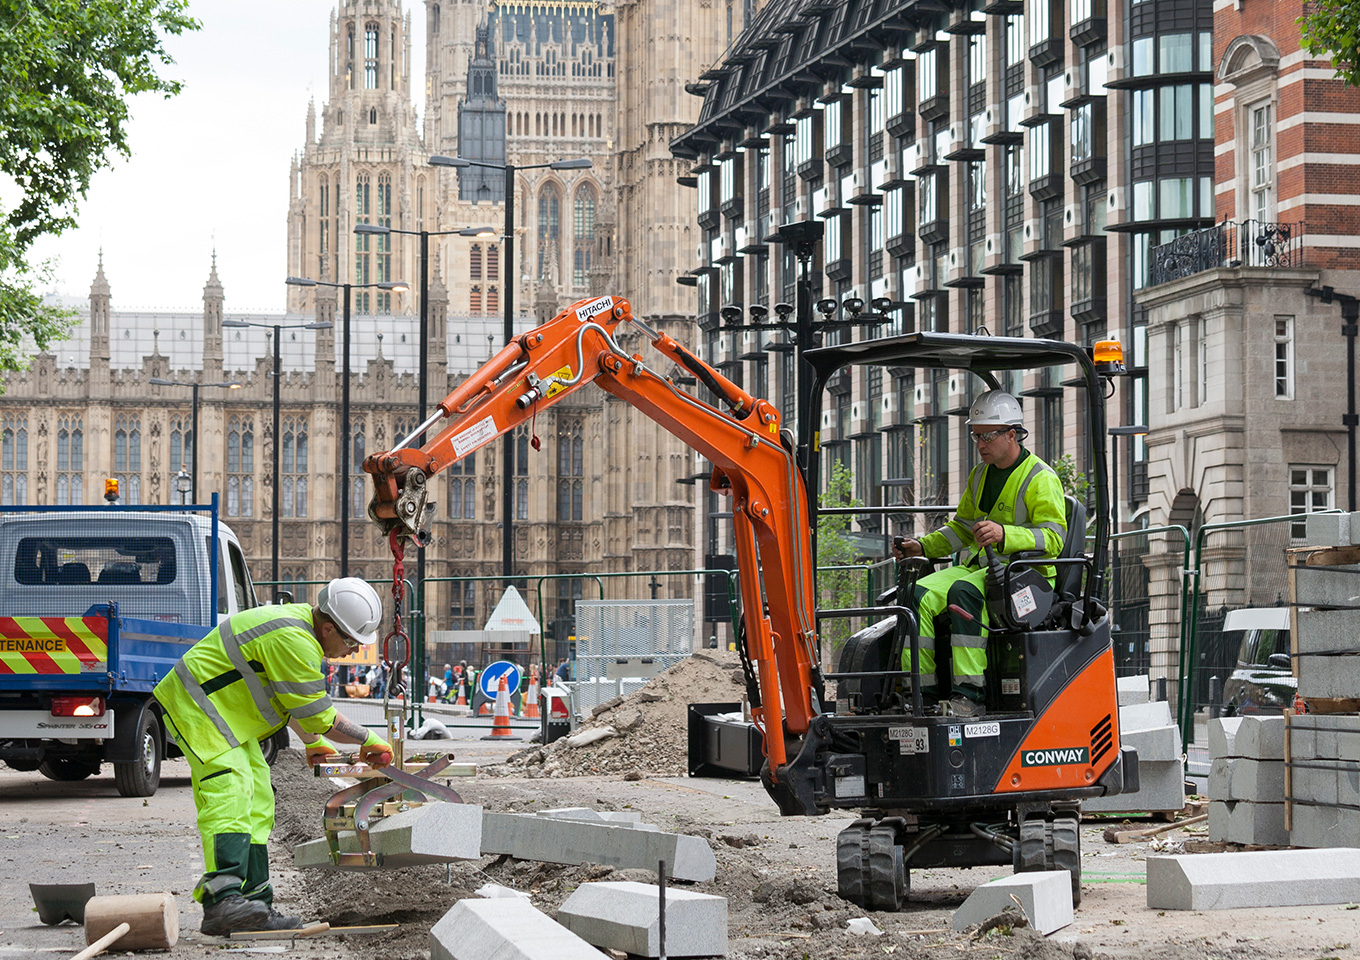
[141,921]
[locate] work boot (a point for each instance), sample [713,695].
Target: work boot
[281,921]
[231,914]
[962,707]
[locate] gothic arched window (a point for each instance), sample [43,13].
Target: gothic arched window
[370,56]
[241,467]
[70,460]
[384,218]
[583,234]
[363,210]
[549,227]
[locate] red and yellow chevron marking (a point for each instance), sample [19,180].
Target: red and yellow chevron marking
[30,645]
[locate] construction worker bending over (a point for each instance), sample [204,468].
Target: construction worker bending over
[1013,502]
[241,683]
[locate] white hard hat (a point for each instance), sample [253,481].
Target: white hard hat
[354,606]
[996,408]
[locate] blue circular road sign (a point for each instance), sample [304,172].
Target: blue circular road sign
[490,680]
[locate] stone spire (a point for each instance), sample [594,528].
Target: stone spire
[99,326]
[213,298]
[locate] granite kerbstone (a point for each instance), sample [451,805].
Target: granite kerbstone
[1255,738]
[504,929]
[1265,878]
[1045,897]
[1242,821]
[558,840]
[433,833]
[623,915]
[1237,778]
[1145,716]
[1328,529]
[1132,689]
[1161,787]
[1154,743]
[1328,586]
[1324,827]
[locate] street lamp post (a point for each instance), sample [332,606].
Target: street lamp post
[345,452]
[278,329]
[508,447]
[183,484]
[423,389]
[193,455]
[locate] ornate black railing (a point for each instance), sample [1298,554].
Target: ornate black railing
[1250,243]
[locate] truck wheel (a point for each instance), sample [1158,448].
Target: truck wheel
[68,769]
[23,766]
[141,777]
[273,747]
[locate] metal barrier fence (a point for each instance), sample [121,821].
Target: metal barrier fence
[620,644]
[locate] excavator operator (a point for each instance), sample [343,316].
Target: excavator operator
[1012,502]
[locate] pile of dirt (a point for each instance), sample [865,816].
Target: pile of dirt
[648,726]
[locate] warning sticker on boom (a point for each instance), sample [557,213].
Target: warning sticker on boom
[474,436]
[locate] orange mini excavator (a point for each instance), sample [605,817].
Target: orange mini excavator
[934,790]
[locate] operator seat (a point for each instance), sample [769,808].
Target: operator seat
[1068,582]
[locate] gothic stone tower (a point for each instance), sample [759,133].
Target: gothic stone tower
[367,166]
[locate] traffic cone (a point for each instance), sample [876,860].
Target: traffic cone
[462,685]
[500,726]
[530,711]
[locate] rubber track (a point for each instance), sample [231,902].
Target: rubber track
[1066,833]
[852,854]
[885,884]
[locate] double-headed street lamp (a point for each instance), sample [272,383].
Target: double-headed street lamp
[346,452]
[508,491]
[193,455]
[278,329]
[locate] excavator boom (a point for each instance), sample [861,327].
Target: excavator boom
[751,462]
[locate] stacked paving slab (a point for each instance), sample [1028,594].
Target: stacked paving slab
[1323,747]
[1146,725]
[1246,781]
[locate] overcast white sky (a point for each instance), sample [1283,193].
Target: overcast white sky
[209,168]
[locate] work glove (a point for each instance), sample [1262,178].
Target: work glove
[320,750]
[375,751]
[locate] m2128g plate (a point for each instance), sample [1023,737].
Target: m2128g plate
[911,740]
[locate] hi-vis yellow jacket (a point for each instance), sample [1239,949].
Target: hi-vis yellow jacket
[245,680]
[1030,508]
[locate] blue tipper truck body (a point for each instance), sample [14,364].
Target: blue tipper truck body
[96,606]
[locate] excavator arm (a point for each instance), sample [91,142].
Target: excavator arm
[750,462]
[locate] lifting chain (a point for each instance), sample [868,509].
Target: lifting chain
[396,662]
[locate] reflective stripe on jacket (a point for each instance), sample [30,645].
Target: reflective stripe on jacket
[246,679]
[1030,507]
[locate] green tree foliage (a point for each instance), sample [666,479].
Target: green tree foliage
[69,68]
[1331,31]
[838,588]
[1073,479]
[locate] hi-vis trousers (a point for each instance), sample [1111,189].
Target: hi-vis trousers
[235,802]
[961,587]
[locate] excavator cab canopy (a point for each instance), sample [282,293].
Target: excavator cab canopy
[981,355]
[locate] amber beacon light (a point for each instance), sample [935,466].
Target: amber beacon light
[1109,357]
